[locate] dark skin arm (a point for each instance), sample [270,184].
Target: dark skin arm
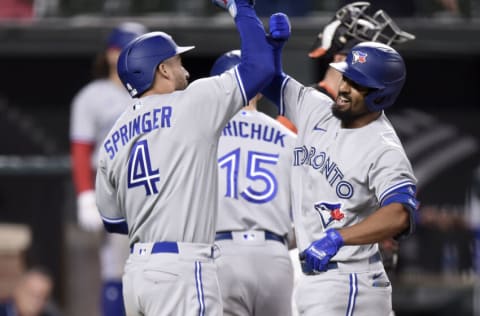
[386,222]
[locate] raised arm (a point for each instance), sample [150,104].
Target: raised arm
[256,68]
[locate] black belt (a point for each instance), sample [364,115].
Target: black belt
[268,236]
[332,265]
[163,246]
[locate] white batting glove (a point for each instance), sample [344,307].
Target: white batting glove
[231,5]
[87,213]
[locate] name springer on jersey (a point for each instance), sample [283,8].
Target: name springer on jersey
[143,123]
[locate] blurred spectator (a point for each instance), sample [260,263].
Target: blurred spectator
[95,108]
[442,244]
[16,9]
[15,240]
[31,296]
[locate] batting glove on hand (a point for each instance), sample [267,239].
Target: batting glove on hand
[88,216]
[231,5]
[316,257]
[280,29]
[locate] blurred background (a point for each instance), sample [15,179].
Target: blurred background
[46,53]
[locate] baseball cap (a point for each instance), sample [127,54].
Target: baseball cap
[120,36]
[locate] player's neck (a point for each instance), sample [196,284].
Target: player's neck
[115,78]
[361,120]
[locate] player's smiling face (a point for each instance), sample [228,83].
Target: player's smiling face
[350,105]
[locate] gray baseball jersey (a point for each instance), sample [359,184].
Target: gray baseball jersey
[254,157]
[157,168]
[95,108]
[158,173]
[340,176]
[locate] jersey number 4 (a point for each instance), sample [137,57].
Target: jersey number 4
[255,171]
[140,172]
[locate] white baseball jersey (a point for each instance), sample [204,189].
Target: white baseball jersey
[157,167]
[95,108]
[340,175]
[255,157]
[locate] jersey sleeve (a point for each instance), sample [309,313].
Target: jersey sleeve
[107,204]
[298,102]
[82,117]
[393,180]
[222,97]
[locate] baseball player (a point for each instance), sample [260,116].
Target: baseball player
[94,110]
[352,25]
[352,182]
[254,160]
[157,176]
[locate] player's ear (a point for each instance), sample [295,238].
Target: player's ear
[163,70]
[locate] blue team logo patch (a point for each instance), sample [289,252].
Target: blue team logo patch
[359,57]
[329,212]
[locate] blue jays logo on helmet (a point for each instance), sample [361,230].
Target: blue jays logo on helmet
[359,57]
[329,212]
[383,72]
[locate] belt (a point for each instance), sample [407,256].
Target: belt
[332,265]
[268,236]
[159,247]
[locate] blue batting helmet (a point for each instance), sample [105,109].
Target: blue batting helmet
[120,36]
[376,66]
[139,60]
[225,62]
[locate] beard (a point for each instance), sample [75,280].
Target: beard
[347,116]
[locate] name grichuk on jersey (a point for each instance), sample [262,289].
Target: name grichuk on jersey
[255,157]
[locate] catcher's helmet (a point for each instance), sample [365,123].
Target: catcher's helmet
[138,61]
[352,25]
[376,66]
[120,36]
[225,62]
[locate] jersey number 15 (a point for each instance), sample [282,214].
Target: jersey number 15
[255,171]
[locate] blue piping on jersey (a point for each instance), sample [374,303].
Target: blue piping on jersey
[199,284]
[240,85]
[282,91]
[394,187]
[352,295]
